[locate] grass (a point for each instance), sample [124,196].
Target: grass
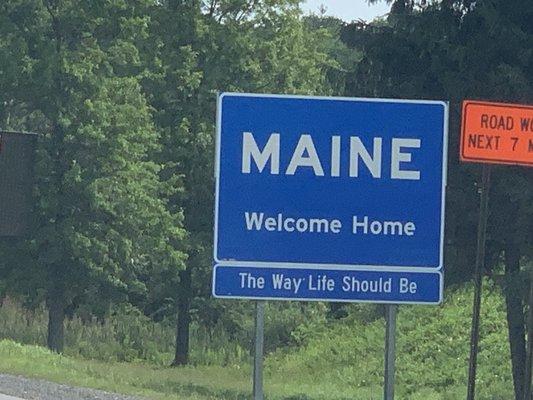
[126,335]
[158,383]
[432,351]
[129,378]
[330,360]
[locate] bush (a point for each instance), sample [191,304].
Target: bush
[432,350]
[337,357]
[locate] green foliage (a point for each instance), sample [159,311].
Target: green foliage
[455,50]
[102,221]
[193,51]
[128,335]
[136,379]
[460,49]
[125,336]
[432,350]
[123,93]
[328,360]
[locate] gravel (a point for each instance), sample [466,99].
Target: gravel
[36,389]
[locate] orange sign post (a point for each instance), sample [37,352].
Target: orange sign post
[497,133]
[492,133]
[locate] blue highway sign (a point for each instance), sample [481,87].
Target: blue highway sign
[342,188]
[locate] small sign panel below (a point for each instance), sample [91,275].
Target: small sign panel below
[497,133]
[308,284]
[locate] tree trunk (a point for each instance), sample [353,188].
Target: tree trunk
[515,318]
[56,319]
[184,318]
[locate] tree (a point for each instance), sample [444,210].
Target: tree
[102,216]
[455,50]
[202,48]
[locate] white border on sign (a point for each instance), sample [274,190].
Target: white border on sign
[354,267]
[428,303]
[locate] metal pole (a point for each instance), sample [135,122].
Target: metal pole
[480,264]
[258,356]
[390,350]
[529,359]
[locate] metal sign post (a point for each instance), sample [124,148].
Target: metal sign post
[491,133]
[480,263]
[288,169]
[390,350]
[259,346]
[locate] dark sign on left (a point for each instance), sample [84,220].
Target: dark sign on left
[17,158]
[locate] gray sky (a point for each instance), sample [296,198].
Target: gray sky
[347,10]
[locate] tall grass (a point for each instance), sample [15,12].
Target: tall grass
[124,336]
[324,358]
[432,351]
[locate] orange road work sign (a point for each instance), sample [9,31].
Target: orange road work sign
[497,133]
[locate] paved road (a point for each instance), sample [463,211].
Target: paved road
[6,397]
[36,389]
